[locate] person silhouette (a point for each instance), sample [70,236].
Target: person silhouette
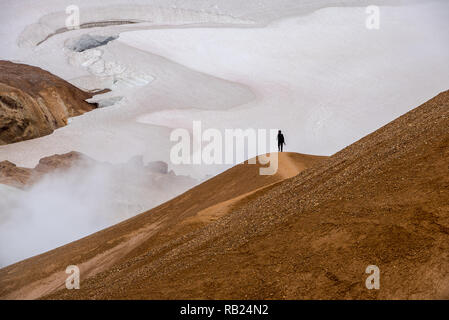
[281,141]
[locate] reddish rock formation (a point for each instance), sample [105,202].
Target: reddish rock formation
[34,102]
[19,177]
[63,162]
[14,176]
[22,178]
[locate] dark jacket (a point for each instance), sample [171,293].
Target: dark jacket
[280,138]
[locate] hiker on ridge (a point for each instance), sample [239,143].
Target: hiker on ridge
[281,141]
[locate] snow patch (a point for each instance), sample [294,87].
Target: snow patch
[109,74]
[104,102]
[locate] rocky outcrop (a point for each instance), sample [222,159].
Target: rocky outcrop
[14,176]
[34,102]
[63,162]
[20,177]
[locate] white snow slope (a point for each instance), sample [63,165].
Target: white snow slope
[307,67]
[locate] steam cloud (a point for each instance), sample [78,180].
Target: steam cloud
[66,206]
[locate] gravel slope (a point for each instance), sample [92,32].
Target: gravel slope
[381,201]
[173,220]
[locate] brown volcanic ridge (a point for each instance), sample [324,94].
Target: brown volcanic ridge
[381,201]
[34,102]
